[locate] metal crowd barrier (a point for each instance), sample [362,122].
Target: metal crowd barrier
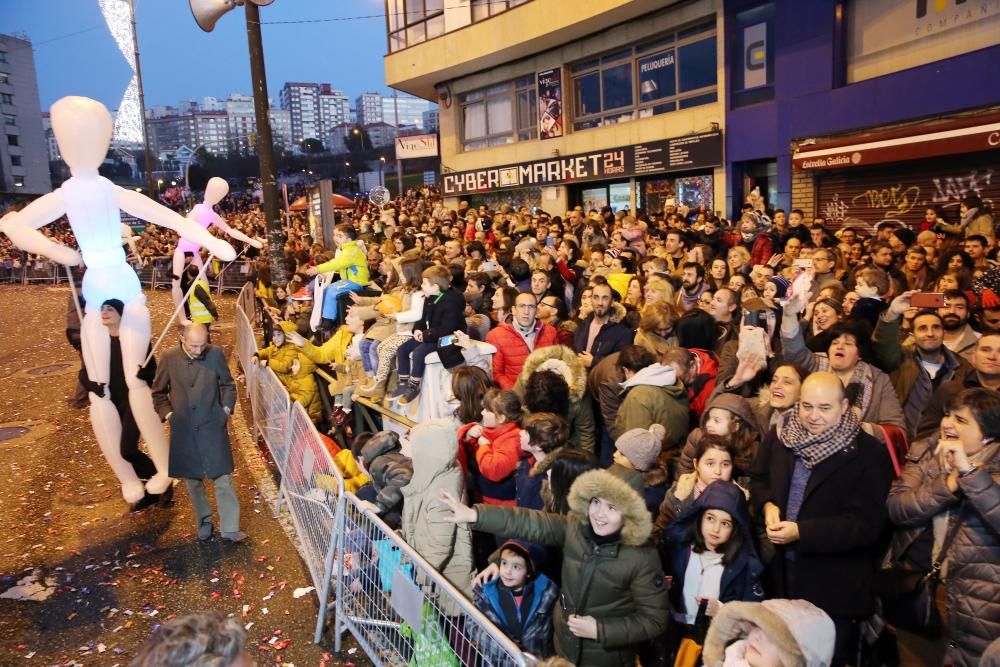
[271,405]
[40,271]
[162,274]
[314,492]
[246,346]
[400,609]
[247,302]
[233,277]
[11,275]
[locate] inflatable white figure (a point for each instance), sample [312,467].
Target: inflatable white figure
[205,216]
[92,204]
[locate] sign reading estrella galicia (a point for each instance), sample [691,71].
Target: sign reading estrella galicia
[695,151]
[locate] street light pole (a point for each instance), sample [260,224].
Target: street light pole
[142,102]
[265,149]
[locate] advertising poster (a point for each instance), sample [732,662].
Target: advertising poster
[550,104]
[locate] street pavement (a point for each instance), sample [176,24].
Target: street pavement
[85,582]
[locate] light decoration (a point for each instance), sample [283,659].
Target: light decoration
[128,119]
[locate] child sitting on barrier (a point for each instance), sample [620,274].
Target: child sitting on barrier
[351,261]
[443,315]
[493,447]
[293,368]
[521,599]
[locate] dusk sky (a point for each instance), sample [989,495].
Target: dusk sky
[76,55]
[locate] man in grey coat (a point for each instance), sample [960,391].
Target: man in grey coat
[195,391]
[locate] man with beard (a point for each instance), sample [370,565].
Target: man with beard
[602,333]
[820,482]
[692,286]
[916,374]
[959,337]
[985,373]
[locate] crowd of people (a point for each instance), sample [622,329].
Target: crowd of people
[683,413]
[763,436]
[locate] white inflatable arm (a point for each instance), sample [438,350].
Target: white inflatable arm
[22,229]
[143,207]
[234,233]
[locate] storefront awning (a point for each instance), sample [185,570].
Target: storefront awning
[952,137]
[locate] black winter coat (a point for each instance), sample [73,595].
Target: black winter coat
[841,520]
[612,337]
[443,315]
[197,391]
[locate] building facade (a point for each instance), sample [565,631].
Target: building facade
[301,100]
[334,108]
[24,151]
[368,108]
[863,110]
[541,104]
[431,121]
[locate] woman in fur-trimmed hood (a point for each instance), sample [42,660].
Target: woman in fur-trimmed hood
[613,592]
[545,393]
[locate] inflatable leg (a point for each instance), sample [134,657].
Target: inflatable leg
[175,284]
[135,345]
[96,347]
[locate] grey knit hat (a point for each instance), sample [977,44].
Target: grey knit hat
[641,446]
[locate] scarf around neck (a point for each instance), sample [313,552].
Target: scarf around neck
[814,449]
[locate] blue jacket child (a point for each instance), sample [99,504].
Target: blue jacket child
[520,601]
[702,561]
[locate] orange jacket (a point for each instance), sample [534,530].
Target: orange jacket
[512,351]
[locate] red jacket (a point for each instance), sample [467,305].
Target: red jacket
[497,463]
[512,350]
[760,252]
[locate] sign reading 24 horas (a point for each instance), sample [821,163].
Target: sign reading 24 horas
[694,151]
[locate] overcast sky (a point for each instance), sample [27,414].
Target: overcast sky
[76,55]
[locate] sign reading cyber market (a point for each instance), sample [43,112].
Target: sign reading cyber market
[695,151]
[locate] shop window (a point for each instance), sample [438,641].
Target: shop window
[19,181]
[15,160]
[500,114]
[6,98]
[672,71]
[12,140]
[9,119]
[753,56]
[4,78]
[3,56]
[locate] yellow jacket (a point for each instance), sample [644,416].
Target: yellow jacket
[301,386]
[354,479]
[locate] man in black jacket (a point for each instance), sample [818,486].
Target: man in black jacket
[602,333]
[821,482]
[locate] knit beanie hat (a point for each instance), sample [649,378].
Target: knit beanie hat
[641,446]
[905,236]
[116,304]
[781,284]
[531,553]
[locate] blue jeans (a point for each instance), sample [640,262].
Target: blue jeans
[369,355]
[411,355]
[333,292]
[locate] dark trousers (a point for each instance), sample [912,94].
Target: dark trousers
[410,357]
[845,648]
[129,445]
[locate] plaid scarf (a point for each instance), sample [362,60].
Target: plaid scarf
[814,449]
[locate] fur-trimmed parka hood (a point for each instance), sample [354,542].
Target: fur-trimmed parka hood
[637,524]
[558,355]
[802,632]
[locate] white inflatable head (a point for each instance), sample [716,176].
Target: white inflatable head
[83,129]
[216,189]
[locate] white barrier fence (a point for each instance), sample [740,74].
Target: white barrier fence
[400,609]
[396,605]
